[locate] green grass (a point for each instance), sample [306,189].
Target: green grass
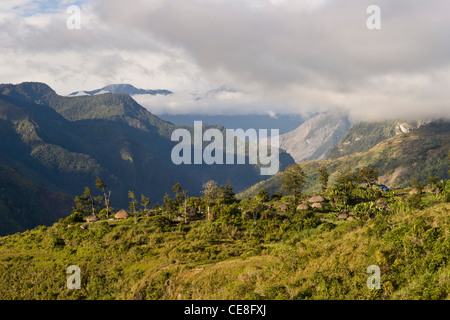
[293,256]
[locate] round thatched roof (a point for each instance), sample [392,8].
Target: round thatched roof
[92,218]
[303,206]
[317,205]
[281,206]
[316,199]
[122,214]
[343,215]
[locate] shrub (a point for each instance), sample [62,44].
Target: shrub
[381,225]
[367,210]
[326,226]
[415,201]
[74,218]
[103,214]
[231,210]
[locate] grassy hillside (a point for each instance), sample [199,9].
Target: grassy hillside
[418,154]
[365,135]
[306,255]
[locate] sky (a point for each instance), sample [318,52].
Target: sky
[240,56]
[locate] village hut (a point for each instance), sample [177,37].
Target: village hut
[122,214]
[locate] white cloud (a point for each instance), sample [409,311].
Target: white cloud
[282,56]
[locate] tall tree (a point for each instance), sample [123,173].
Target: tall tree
[133,202]
[145,201]
[345,183]
[176,188]
[294,181]
[229,197]
[169,204]
[185,192]
[369,176]
[84,203]
[101,186]
[210,194]
[323,178]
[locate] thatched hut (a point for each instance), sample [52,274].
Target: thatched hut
[316,199]
[92,218]
[282,206]
[303,206]
[317,205]
[122,214]
[343,215]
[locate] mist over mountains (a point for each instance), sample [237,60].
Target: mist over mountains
[64,143]
[120,88]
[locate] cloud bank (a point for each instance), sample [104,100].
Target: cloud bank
[297,56]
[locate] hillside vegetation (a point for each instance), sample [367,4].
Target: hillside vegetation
[258,248]
[419,154]
[64,143]
[363,136]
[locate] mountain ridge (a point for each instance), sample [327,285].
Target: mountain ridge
[124,88]
[315,137]
[51,141]
[418,154]
[364,135]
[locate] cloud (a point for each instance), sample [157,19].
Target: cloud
[211,102]
[283,56]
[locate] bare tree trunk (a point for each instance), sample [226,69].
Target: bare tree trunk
[107,202]
[185,211]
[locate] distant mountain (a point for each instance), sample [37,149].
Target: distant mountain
[314,138]
[64,143]
[120,88]
[364,135]
[284,123]
[418,154]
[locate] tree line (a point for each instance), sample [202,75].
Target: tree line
[214,198]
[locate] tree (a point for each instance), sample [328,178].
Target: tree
[101,186]
[145,201]
[294,181]
[176,188]
[133,202]
[255,208]
[169,204]
[210,194]
[185,192]
[229,196]
[323,178]
[84,203]
[263,195]
[345,183]
[368,176]
[276,196]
